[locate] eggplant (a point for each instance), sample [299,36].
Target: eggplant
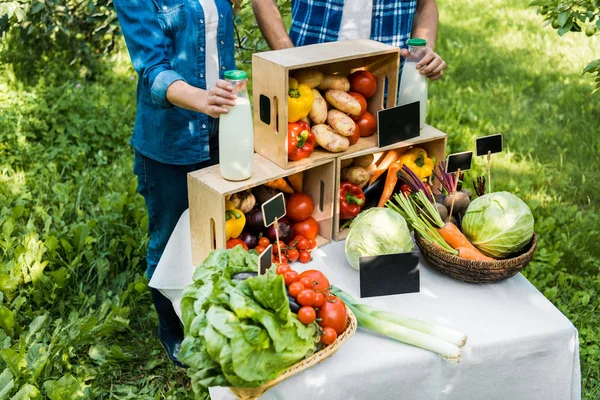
[250,239]
[294,306]
[242,276]
[373,192]
[254,221]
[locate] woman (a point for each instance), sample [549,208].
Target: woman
[180,50]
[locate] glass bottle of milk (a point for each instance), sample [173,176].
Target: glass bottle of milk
[413,85]
[236,133]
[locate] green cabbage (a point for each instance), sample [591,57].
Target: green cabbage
[499,224]
[377,231]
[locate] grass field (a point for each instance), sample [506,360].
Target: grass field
[75,313]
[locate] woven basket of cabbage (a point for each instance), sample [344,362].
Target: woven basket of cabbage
[476,271]
[255,393]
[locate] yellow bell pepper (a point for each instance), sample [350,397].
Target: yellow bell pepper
[235,220]
[416,159]
[300,100]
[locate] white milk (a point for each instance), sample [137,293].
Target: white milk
[413,87]
[236,141]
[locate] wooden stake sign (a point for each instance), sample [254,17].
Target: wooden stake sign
[456,163]
[486,146]
[272,210]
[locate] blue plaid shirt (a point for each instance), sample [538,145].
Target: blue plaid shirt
[318,21]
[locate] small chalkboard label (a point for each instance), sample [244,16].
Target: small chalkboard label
[398,124]
[460,161]
[488,144]
[265,260]
[272,209]
[389,274]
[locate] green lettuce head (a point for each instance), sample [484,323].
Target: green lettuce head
[377,231]
[499,224]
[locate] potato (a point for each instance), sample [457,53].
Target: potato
[363,161]
[335,82]
[346,163]
[318,111]
[329,140]
[343,102]
[341,123]
[310,77]
[357,175]
[307,120]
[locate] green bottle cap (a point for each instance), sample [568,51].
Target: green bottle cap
[235,75]
[417,42]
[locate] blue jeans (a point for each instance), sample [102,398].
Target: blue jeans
[164,188]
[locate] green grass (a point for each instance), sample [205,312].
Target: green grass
[72,228]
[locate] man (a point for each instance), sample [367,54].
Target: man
[388,21]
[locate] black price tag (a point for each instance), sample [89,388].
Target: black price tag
[488,144]
[272,209]
[460,161]
[265,260]
[398,124]
[389,274]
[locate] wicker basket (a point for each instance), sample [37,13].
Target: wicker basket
[255,393]
[475,271]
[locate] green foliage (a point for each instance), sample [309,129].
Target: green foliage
[573,16]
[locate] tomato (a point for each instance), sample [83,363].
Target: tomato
[282,269]
[260,249]
[307,315]
[231,243]
[264,242]
[354,138]
[308,228]
[333,314]
[363,104]
[404,188]
[279,260]
[319,298]
[363,82]
[299,207]
[290,277]
[329,336]
[298,237]
[367,124]
[312,243]
[304,257]
[302,244]
[276,249]
[322,283]
[306,281]
[295,288]
[292,255]
[306,297]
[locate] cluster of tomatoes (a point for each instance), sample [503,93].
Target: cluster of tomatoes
[298,249]
[310,290]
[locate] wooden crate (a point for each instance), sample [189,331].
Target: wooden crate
[431,139]
[270,74]
[207,192]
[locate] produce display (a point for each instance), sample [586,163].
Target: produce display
[329,111]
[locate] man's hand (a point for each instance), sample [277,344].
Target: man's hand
[431,65]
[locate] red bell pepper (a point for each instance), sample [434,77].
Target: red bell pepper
[352,200]
[301,141]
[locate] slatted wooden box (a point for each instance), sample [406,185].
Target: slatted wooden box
[270,74]
[431,140]
[207,192]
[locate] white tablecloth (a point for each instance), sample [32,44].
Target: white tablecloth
[520,346]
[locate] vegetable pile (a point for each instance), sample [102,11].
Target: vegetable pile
[329,111]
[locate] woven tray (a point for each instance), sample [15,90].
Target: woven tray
[475,271]
[255,393]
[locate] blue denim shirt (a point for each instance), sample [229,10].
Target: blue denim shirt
[166,42]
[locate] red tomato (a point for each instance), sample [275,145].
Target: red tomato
[319,299]
[307,315]
[367,125]
[264,242]
[299,207]
[293,254]
[363,82]
[282,269]
[279,260]
[322,283]
[312,243]
[308,228]
[304,257]
[302,244]
[260,249]
[363,104]
[298,237]
[306,297]
[329,336]
[354,138]
[231,243]
[306,281]
[276,249]
[295,288]
[333,314]
[290,277]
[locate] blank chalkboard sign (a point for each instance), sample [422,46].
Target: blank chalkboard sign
[398,124]
[489,144]
[459,161]
[389,274]
[265,260]
[273,208]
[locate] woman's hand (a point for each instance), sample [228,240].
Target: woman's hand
[218,97]
[431,65]
[210,102]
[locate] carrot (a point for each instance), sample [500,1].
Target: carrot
[296,181]
[390,183]
[390,158]
[457,240]
[280,184]
[469,253]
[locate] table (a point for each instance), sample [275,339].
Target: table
[520,346]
